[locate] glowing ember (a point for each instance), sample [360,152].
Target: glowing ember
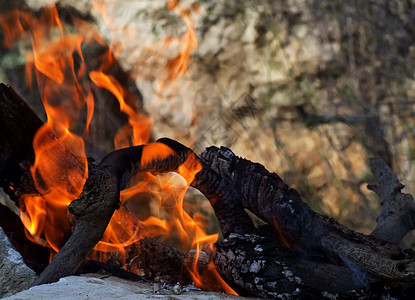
[60,167]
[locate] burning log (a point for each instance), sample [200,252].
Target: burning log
[19,125]
[99,199]
[16,149]
[335,241]
[325,257]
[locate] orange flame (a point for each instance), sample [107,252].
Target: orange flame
[60,167]
[139,125]
[183,44]
[178,66]
[12,27]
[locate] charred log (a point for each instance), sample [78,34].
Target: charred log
[267,269]
[18,127]
[398,210]
[117,168]
[267,196]
[320,247]
[99,199]
[35,256]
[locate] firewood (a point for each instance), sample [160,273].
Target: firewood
[398,210]
[333,240]
[267,196]
[267,269]
[99,199]
[18,127]
[300,252]
[35,256]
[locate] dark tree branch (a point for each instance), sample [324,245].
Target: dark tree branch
[398,210]
[100,198]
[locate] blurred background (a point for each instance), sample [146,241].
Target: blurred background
[309,89]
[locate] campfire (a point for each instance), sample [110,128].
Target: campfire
[122,202]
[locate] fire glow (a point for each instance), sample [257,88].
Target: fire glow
[61,167]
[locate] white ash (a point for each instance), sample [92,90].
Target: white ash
[328,295]
[177,289]
[258,249]
[290,276]
[256,266]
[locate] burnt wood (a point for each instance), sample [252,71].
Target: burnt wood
[268,197]
[325,258]
[398,209]
[337,243]
[35,256]
[98,201]
[255,263]
[19,125]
